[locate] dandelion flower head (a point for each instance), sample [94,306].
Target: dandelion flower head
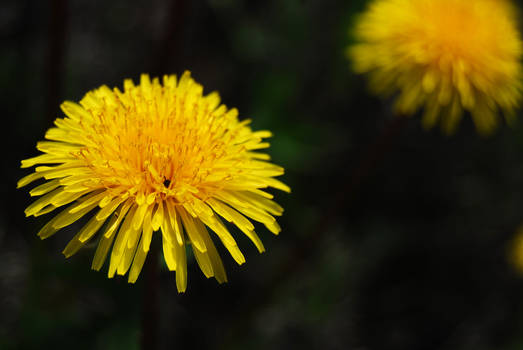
[155,157]
[443,56]
[515,251]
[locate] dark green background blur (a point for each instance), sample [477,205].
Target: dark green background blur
[414,256]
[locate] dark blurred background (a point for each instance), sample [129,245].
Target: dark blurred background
[409,253]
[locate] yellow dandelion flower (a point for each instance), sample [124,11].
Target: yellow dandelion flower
[446,56]
[515,251]
[155,157]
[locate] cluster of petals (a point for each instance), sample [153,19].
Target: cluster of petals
[443,56]
[155,157]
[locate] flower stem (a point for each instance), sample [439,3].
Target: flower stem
[149,339]
[163,60]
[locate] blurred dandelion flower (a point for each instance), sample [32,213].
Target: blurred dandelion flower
[515,251]
[155,157]
[446,56]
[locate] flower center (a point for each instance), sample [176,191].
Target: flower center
[178,145]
